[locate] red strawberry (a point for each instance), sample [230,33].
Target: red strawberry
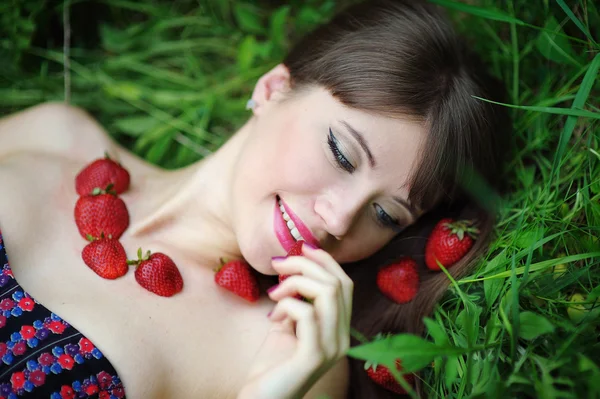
[399,281]
[448,242]
[102,212]
[101,173]
[157,273]
[237,277]
[381,375]
[295,250]
[106,257]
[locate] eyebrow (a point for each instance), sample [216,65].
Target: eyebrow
[361,140]
[363,143]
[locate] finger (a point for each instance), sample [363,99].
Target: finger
[315,269]
[307,329]
[306,267]
[327,305]
[298,284]
[326,261]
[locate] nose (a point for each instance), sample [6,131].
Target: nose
[340,211]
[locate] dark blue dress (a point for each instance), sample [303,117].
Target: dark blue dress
[42,356]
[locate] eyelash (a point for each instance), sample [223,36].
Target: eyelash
[340,159]
[383,219]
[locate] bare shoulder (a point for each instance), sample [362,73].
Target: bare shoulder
[334,384]
[53,128]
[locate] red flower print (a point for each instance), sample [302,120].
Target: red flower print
[18,380]
[26,304]
[66,392]
[2,349]
[56,327]
[2,321]
[91,389]
[46,359]
[85,345]
[119,392]
[66,361]
[7,304]
[104,379]
[104,395]
[37,377]
[9,272]
[19,348]
[27,332]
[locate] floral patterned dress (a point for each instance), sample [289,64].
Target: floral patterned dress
[41,355]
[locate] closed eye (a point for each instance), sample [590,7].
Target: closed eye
[340,159]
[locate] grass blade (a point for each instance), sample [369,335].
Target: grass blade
[548,110]
[487,13]
[580,99]
[576,20]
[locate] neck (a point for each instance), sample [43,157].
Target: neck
[188,210]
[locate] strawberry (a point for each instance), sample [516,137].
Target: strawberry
[157,273]
[237,277]
[101,212]
[381,375]
[448,242]
[399,281]
[101,173]
[106,257]
[295,250]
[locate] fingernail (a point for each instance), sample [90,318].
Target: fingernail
[277,258]
[272,288]
[309,245]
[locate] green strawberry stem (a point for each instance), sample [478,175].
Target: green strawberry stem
[222,262]
[107,190]
[140,258]
[91,238]
[463,226]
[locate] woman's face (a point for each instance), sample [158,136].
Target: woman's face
[340,173]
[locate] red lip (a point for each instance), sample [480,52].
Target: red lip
[281,230]
[304,231]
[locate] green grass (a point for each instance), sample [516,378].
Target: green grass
[169,80]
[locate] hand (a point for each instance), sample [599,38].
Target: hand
[306,340]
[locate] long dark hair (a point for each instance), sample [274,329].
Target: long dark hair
[403,58]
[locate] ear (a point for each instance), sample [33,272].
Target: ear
[270,87]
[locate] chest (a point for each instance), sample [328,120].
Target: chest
[199,343]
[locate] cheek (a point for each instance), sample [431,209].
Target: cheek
[296,161]
[363,243]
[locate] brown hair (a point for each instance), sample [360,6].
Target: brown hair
[402,58]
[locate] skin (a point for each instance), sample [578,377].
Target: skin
[219,207]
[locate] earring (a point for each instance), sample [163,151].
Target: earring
[251,104]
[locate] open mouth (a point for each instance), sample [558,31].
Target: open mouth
[290,223]
[289,228]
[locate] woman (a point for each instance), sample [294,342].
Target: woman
[362,132]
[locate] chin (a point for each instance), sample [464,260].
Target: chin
[258,260]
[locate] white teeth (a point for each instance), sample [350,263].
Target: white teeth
[296,234]
[290,224]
